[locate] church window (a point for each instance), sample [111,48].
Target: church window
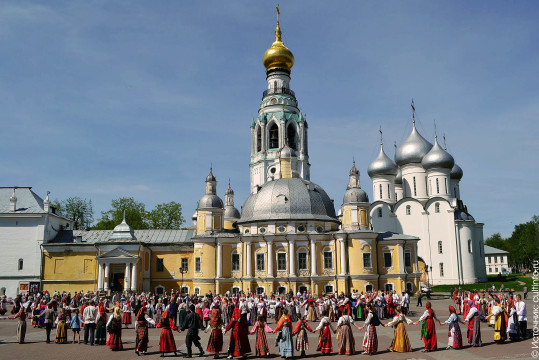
[380,187]
[258,139]
[281,261]
[282,228]
[281,290]
[262,230]
[301,228]
[408,210]
[246,231]
[235,262]
[185,263]
[319,229]
[367,260]
[21,264]
[415,187]
[259,290]
[159,265]
[437,186]
[437,207]
[489,269]
[388,260]
[441,269]
[328,260]
[328,289]
[197,264]
[303,289]
[197,291]
[388,192]
[388,287]
[302,261]
[490,259]
[440,248]
[379,212]
[274,136]
[260,266]
[159,290]
[369,288]
[469,246]
[185,290]
[445,180]
[291,136]
[408,259]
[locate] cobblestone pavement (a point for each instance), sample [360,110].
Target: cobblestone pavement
[35,346]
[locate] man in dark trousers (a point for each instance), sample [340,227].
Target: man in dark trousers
[48,314]
[192,323]
[419,297]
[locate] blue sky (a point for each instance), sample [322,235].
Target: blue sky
[104,99]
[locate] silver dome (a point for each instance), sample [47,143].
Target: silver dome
[354,196]
[354,170]
[456,172]
[437,158]
[412,149]
[210,176]
[210,201]
[229,191]
[287,152]
[122,231]
[231,213]
[398,178]
[382,165]
[288,199]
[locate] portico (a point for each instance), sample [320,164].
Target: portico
[117,271]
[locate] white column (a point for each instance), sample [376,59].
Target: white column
[127,276]
[249,259]
[107,276]
[270,258]
[313,258]
[99,277]
[134,277]
[219,259]
[343,257]
[292,255]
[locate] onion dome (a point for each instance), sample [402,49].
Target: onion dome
[231,213]
[382,165]
[354,196]
[122,232]
[278,56]
[412,149]
[287,152]
[210,176]
[398,178]
[456,172]
[354,170]
[229,191]
[437,158]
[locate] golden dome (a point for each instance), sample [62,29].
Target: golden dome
[278,56]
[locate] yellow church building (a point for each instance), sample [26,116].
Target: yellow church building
[287,238]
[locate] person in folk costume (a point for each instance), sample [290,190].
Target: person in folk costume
[302,341]
[141,329]
[36,309]
[428,329]
[42,307]
[370,340]
[253,313]
[324,328]
[321,306]
[215,342]
[390,306]
[114,323]
[192,324]
[278,309]
[127,313]
[291,306]
[513,328]
[500,322]
[21,324]
[61,328]
[260,328]
[199,310]
[454,334]
[331,310]
[311,311]
[466,305]
[239,342]
[474,326]
[167,344]
[262,309]
[158,310]
[286,349]
[100,329]
[401,342]
[345,337]
[182,313]
[483,307]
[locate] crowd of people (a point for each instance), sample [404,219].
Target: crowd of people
[102,319]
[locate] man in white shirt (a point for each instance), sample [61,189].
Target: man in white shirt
[520,306]
[89,316]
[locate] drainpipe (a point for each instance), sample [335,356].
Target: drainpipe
[41,267]
[97,254]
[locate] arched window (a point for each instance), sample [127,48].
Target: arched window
[303,289]
[379,212]
[274,136]
[437,186]
[328,289]
[415,187]
[440,248]
[260,290]
[197,291]
[441,269]
[445,179]
[408,210]
[388,192]
[437,207]
[469,246]
[388,287]
[275,84]
[380,187]
[281,290]
[258,139]
[369,287]
[21,264]
[410,287]
[291,136]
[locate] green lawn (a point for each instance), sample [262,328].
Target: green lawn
[510,282]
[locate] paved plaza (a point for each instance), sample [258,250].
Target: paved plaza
[35,346]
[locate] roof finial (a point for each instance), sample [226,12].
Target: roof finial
[228,182]
[413,111]
[278,28]
[124,216]
[445,145]
[211,167]
[381,138]
[435,131]
[353,160]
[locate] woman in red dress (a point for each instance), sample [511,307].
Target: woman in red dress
[115,323]
[428,330]
[324,344]
[215,343]
[260,328]
[239,342]
[167,343]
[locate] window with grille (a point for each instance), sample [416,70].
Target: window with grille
[185,263]
[440,248]
[274,136]
[437,207]
[328,260]
[197,264]
[281,261]
[260,262]
[388,260]
[441,269]
[415,187]
[408,210]
[379,212]
[367,260]
[21,264]
[235,262]
[302,261]
[437,186]
[380,187]
[159,265]
[328,288]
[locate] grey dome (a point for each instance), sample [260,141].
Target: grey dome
[412,149]
[287,152]
[210,201]
[229,191]
[354,170]
[355,196]
[231,212]
[398,178]
[122,231]
[210,176]
[463,215]
[288,199]
[437,158]
[456,172]
[382,165]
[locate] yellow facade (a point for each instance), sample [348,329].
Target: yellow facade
[69,271]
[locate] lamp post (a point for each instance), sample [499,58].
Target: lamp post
[182,271]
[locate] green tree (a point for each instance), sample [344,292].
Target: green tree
[523,242]
[135,214]
[79,210]
[496,241]
[166,216]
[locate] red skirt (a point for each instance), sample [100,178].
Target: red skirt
[430,339]
[262,348]
[115,340]
[324,345]
[126,318]
[215,343]
[166,341]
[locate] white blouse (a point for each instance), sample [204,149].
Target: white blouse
[345,319]
[324,320]
[426,314]
[398,319]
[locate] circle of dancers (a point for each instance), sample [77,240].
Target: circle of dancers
[102,319]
